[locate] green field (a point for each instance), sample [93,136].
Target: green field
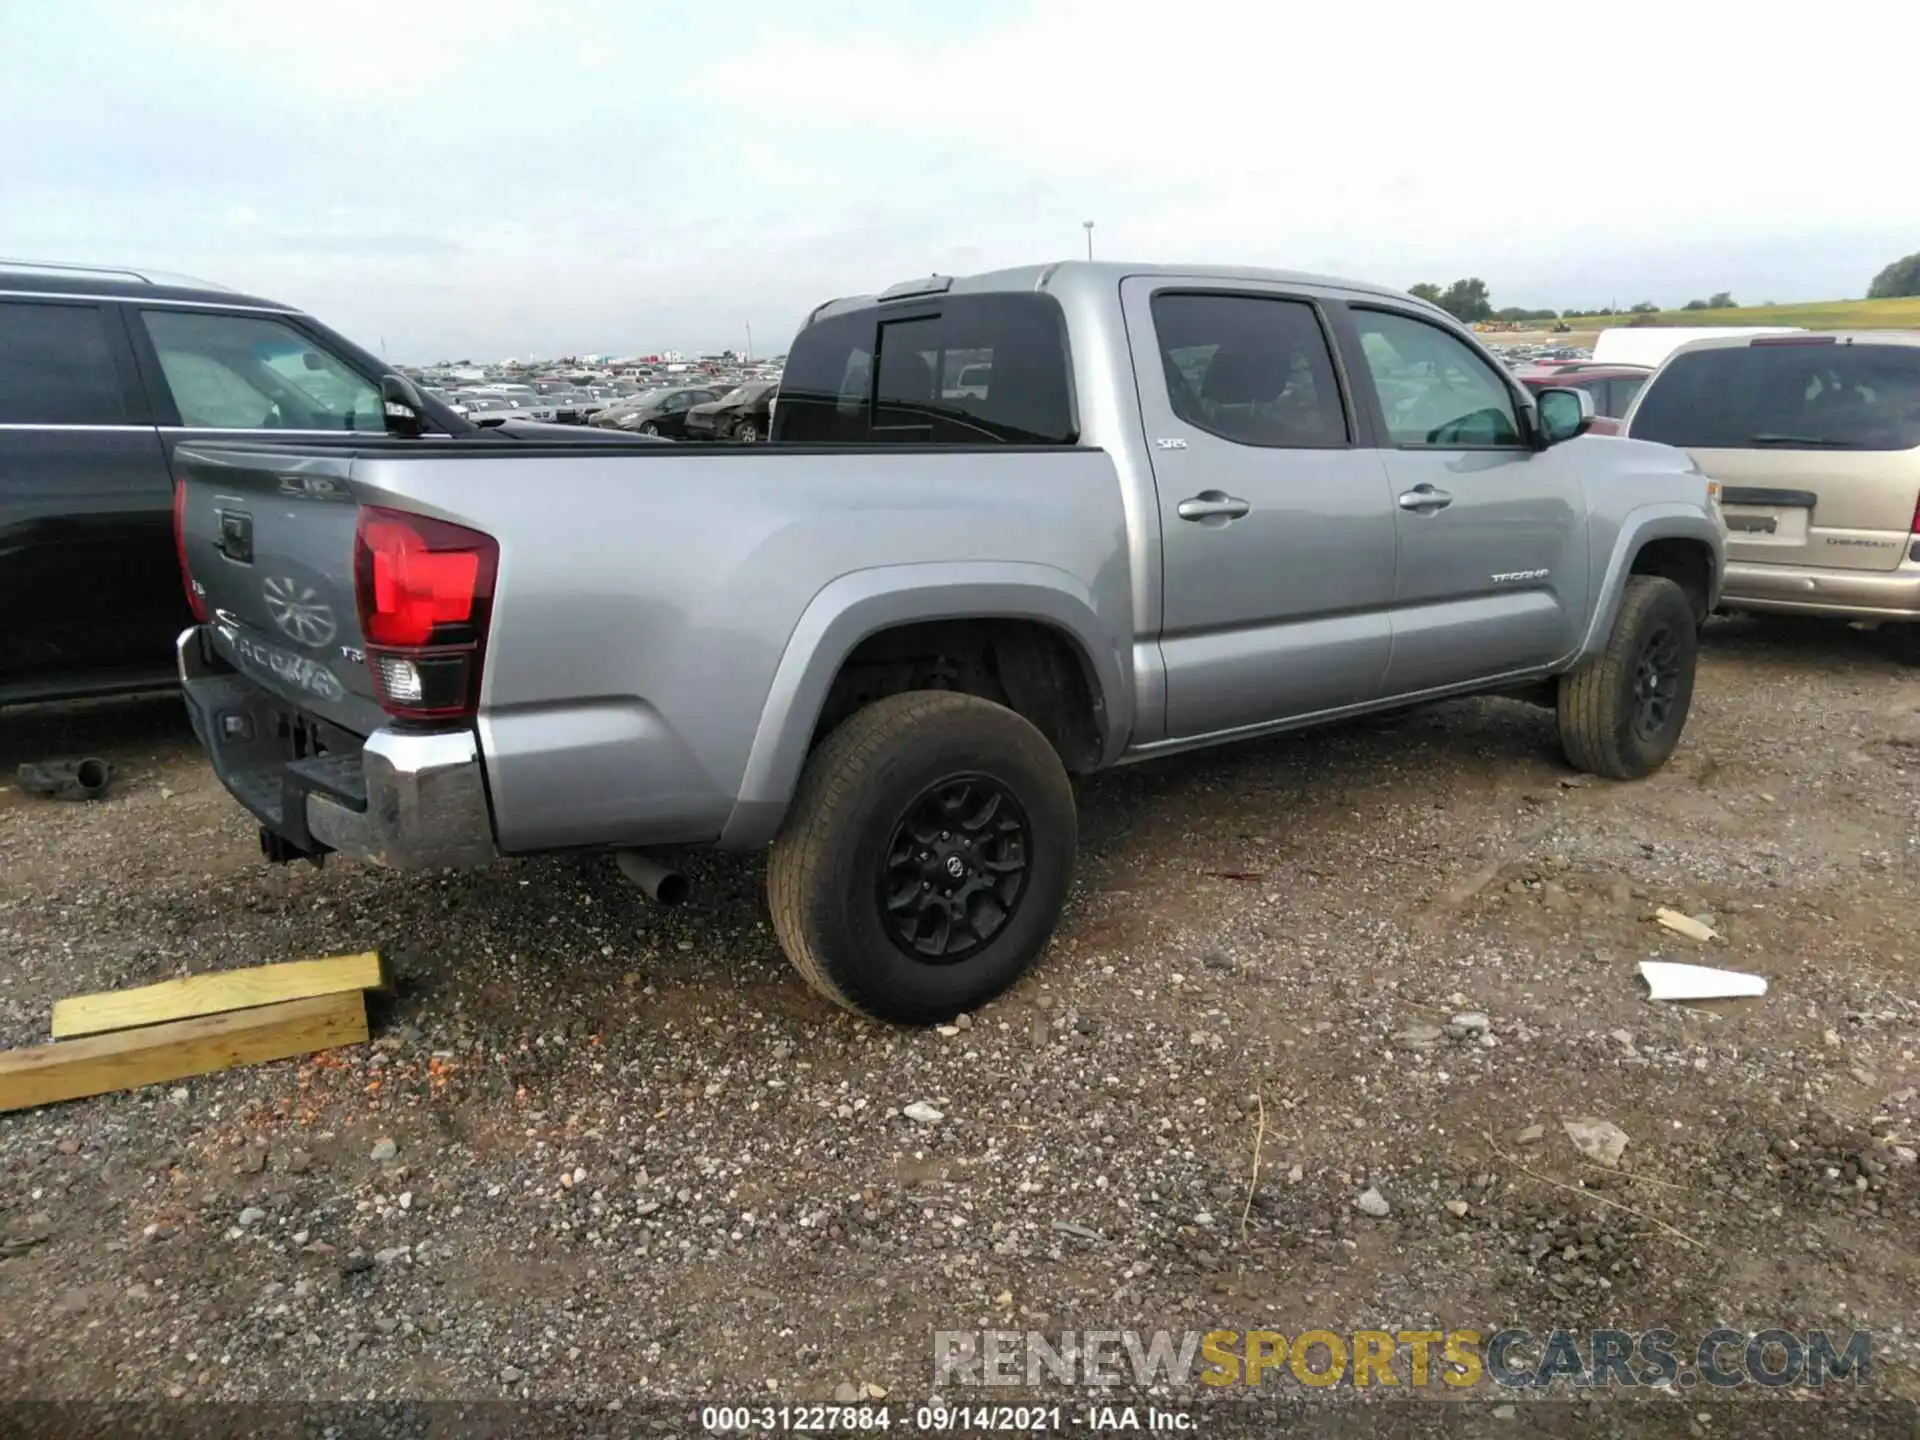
[1901,314]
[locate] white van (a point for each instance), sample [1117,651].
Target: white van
[1650,345]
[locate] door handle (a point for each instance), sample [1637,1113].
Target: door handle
[1213,504]
[1424,497]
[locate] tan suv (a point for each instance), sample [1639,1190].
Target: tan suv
[1815,441]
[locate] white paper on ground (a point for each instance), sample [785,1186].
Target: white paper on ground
[1668,981]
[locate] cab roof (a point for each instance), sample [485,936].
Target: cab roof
[1062,276]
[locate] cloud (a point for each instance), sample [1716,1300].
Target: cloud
[481,178]
[376,246]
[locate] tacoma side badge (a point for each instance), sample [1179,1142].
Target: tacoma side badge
[1174,444]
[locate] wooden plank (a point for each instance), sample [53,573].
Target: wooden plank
[219,991]
[157,1054]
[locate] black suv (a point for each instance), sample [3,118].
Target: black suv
[102,374]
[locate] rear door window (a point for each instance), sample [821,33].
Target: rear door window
[57,366]
[960,371]
[1250,369]
[247,372]
[1805,395]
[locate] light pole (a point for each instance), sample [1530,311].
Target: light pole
[749,342]
[1087,225]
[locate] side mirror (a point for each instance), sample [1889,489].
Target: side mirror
[1564,413]
[406,411]
[312,361]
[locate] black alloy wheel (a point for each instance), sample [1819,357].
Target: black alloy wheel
[1656,683]
[955,869]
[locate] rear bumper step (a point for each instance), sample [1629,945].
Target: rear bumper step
[406,799]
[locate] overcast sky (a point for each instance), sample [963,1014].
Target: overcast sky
[483,179]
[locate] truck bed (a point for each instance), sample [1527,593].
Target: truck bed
[648,597]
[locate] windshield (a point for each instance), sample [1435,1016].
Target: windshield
[1806,395]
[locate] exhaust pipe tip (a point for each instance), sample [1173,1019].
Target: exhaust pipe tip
[661,884]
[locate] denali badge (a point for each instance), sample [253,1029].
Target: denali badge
[1510,576]
[298,611]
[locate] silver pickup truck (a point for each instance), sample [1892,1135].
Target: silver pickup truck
[1010,529]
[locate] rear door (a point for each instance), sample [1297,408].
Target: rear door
[1492,573]
[1815,442]
[1277,531]
[89,584]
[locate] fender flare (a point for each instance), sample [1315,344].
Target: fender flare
[848,610]
[1665,520]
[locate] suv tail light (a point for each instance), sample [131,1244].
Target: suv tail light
[194,603]
[424,589]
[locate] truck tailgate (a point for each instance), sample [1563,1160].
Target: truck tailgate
[267,539]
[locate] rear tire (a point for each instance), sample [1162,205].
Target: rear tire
[1622,712]
[926,859]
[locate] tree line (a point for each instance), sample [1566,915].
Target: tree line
[1470,301]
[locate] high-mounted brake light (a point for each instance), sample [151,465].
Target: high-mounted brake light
[194,603]
[424,588]
[1793,340]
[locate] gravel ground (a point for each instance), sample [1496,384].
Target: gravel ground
[603,1152]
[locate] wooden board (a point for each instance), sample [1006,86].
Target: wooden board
[156,1054]
[217,992]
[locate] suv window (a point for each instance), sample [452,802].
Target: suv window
[1808,395]
[1011,348]
[1621,391]
[1250,369]
[1434,389]
[246,372]
[56,366]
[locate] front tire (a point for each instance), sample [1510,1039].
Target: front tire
[1622,712]
[926,859]
[649,428]
[746,432]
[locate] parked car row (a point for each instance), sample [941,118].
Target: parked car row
[698,412]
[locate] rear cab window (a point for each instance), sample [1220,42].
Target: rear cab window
[951,370]
[1802,395]
[57,365]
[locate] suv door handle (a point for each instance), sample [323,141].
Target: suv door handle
[1424,497]
[1213,504]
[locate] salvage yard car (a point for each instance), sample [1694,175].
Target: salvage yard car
[1815,440]
[1184,505]
[103,375]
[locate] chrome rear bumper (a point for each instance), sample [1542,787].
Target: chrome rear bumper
[406,799]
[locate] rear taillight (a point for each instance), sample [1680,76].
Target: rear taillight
[194,602]
[425,593]
[1916,516]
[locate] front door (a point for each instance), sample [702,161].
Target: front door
[1277,528]
[1493,569]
